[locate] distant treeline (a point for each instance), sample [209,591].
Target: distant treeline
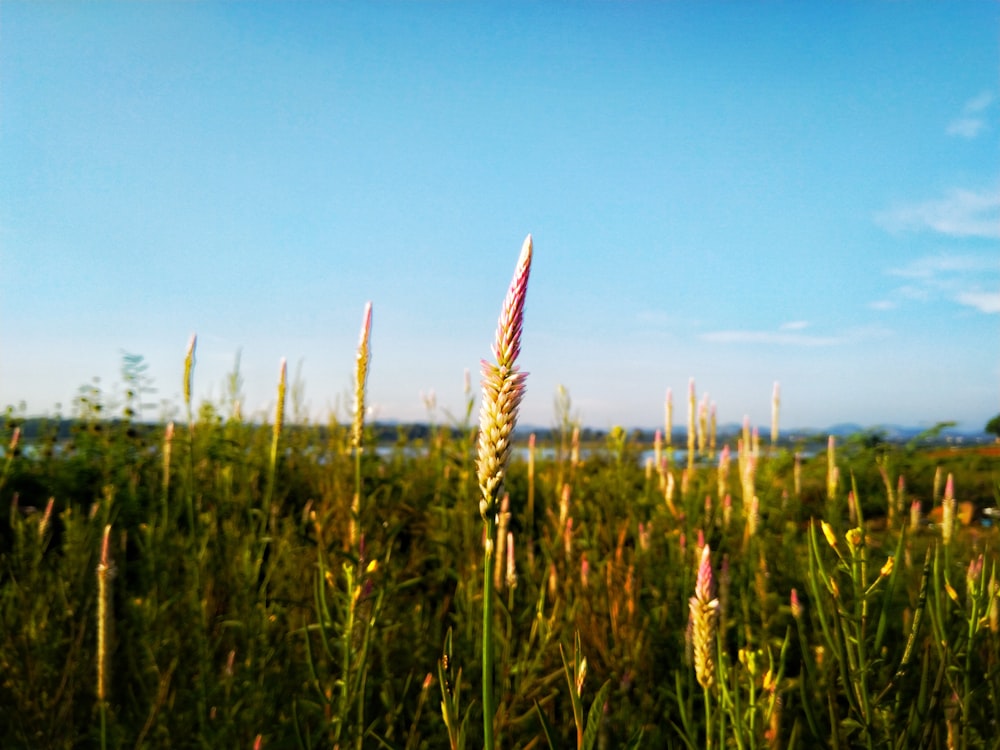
[387,433]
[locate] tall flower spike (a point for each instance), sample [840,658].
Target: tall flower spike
[704,612]
[103,573]
[189,368]
[361,377]
[503,389]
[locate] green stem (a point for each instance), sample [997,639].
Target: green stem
[489,709]
[708,719]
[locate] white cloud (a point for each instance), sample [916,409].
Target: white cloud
[986,302]
[979,103]
[794,325]
[960,278]
[966,127]
[962,213]
[934,266]
[882,304]
[971,122]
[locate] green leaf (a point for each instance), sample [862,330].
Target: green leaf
[546,727]
[636,741]
[594,717]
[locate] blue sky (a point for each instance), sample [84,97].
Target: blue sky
[739,193]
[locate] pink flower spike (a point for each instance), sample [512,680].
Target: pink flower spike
[508,343]
[366,324]
[705,584]
[503,389]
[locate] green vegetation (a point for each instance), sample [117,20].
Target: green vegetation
[221,583]
[224,624]
[993,426]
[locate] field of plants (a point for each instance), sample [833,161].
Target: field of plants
[222,583]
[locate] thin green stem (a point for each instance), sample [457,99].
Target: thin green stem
[489,708]
[708,718]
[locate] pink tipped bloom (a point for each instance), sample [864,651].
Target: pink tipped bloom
[508,342]
[703,613]
[704,585]
[503,389]
[796,605]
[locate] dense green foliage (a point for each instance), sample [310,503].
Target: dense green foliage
[229,626]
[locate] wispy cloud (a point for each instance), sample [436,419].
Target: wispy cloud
[962,213]
[972,121]
[794,325]
[966,279]
[785,336]
[966,127]
[937,267]
[986,302]
[883,304]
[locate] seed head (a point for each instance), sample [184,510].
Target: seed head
[796,604]
[188,368]
[704,613]
[503,388]
[361,377]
